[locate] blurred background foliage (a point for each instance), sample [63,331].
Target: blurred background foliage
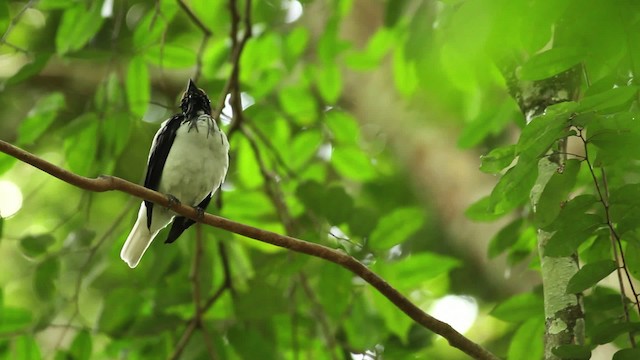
[363,126]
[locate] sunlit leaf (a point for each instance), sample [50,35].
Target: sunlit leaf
[138,86]
[26,348]
[352,162]
[343,126]
[303,147]
[404,73]
[40,118]
[79,25]
[329,82]
[608,100]
[527,342]
[590,275]
[397,227]
[551,62]
[30,69]
[298,102]
[520,307]
[498,159]
[14,319]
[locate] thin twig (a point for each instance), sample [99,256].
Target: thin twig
[111,183]
[617,242]
[205,30]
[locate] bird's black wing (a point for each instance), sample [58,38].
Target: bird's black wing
[158,157]
[181,223]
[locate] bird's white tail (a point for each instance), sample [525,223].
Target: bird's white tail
[138,240]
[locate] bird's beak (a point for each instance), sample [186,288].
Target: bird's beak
[191,87]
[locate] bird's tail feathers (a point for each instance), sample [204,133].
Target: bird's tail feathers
[137,243]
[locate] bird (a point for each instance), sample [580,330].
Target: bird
[188,162]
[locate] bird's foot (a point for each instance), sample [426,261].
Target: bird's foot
[200,212]
[173,201]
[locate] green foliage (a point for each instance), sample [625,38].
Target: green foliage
[318,157]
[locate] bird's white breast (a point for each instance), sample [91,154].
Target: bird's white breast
[197,162]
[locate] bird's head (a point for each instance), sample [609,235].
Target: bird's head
[195,101]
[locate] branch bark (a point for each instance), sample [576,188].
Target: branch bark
[111,183]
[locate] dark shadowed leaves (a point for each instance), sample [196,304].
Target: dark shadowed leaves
[573,352]
[34,245]
[45,276]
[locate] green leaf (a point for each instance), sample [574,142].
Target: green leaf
[482,210]
[353,163]
[616,146]
[377,47]
[30,69]
[590,275]
[337,205]
[393,11]
[34,245]
[44,278]
[404,73]
[527,343]
[25,347]
[541,133]
[253,342]
[120,310]
[170,56]
[572,352]
[610,329]
[518,308]
[551,62]
[138,87]
[298,102]
[329,82]
[397,227]
[81,346]
[248,169]
[1,228]
[81,146]
[14,319]
[514,187]
[627,354]
[572,226]
[413,271]
[40,118]
[608,100]
[498,159]
[303,147]
[5,17]
[506,238]
[556,192]
[632,254]
[78,26]
[362,221]
[296,41]
[343,126]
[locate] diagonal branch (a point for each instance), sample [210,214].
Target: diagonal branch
[111,183]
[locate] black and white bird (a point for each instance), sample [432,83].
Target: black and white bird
[188,161]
